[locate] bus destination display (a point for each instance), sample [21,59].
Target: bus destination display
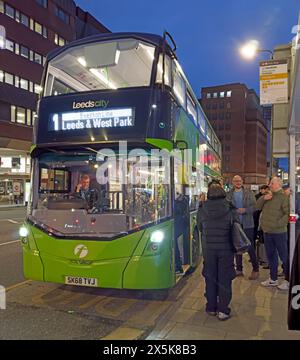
[81,120]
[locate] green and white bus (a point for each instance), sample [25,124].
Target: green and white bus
[98,93]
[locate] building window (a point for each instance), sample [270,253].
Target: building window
[222,94]
[17,49]
[38,58]
[208,95]
[13,113]
[45,32]
[1,76]
[24,84]
[17,81]
[227,137]
[24,20]
[227,127]
[24,52]
[214,106]
[31,24]
[221,116]
[228,115]
[227,147]
[9,78]
[38,28]
[215,95]
[221,105]
[208,106]
[43,3]
[59,40]
[228,93]
[9,45]
[1,6]
[62,15]
[21,115]
[9,11]
[28,118]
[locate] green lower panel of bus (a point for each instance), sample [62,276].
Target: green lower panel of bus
[131,262]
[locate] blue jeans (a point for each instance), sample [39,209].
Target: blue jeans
[276,244]
[218,271]
[251,252]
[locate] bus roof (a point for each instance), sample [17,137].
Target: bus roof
[154,39]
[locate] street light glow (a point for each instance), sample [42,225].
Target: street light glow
[249,50]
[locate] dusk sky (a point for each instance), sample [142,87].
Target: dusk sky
[207,33]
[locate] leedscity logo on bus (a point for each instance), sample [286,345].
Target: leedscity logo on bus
[90,104]
[100,119]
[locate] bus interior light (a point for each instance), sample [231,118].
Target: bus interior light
[82,61]
[157,236]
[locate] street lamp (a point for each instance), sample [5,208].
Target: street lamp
[251,49]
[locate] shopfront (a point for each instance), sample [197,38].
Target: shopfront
[14,177]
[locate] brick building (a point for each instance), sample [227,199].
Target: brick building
[33,28]
[236,116]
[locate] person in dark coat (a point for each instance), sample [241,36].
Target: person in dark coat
[215,218]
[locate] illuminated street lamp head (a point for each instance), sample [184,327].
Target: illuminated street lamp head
[250,49]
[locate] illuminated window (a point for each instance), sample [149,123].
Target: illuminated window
[208,95]
[1,7]
[24,84]
[21,115]
[9,79]
[222,94]
[13,113]
[215,95]
[38,28]
[17,81]
[9,45]
[179,86]
[1,75]
[228,93]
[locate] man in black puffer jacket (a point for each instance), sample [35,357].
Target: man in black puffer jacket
[215,217]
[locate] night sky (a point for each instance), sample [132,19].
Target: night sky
[207,33]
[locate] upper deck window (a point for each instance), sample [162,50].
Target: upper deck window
[97,66]
[168,66]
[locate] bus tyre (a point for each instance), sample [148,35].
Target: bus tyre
[195,248]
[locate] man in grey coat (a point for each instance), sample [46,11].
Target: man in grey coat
[244,201]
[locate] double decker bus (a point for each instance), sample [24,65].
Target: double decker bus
[98,215]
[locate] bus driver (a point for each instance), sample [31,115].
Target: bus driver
[87,193]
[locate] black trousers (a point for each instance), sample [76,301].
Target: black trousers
[219,272]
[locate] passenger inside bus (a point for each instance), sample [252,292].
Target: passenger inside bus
[92,194]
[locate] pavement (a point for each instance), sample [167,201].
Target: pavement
[37,310]
[52,311]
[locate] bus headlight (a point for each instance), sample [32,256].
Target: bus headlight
[23,232]
[157,236]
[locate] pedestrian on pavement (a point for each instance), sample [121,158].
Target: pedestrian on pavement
[274,220]
[215,217]
[244,201]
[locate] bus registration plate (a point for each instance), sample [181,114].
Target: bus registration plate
[81,281]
